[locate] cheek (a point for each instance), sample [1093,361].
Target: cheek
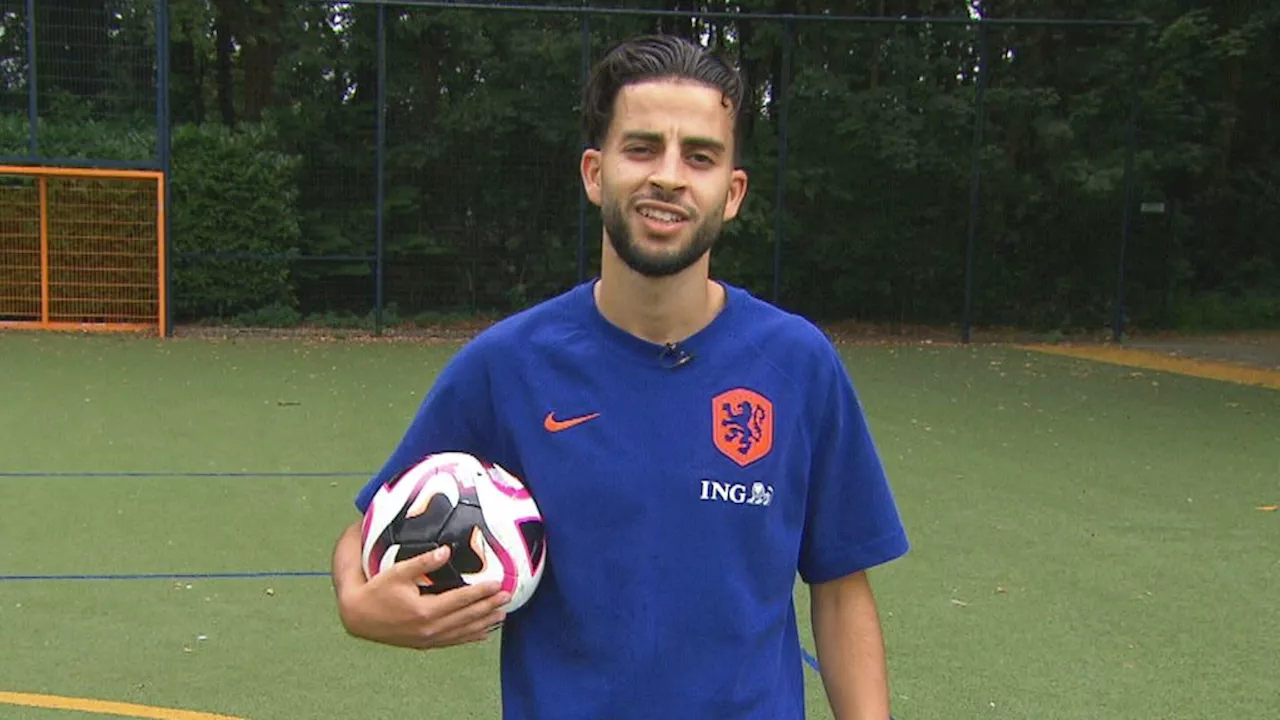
[615,187]
[718,195]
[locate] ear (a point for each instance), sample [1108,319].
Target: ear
[591,161]
[737,192]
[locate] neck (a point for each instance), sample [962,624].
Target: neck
[659,310]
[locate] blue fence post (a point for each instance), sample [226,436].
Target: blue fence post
[1126,228]
[33,106]
[164,152]
[780,184]
[975,183]
[381,142]
[584,70]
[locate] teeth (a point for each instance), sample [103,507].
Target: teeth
[660,215]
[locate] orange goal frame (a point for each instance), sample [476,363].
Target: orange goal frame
[121,287]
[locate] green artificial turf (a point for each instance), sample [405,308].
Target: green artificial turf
[1086,538]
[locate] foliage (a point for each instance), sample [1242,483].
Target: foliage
[69,134]
[233,196]
[481,190]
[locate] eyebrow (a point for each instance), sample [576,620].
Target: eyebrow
[704,143]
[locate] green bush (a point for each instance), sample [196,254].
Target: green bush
[234,201]
[1250,310]
[79,137]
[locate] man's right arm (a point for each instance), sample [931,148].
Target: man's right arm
[389,608]
[456,415]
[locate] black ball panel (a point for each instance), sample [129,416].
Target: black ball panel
[441,523]
[457,532]
[534,534]
[424,527]
[442,579]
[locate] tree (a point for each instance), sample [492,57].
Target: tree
[482,131]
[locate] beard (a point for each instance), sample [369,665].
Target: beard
[661,264]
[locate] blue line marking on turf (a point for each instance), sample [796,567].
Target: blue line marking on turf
[168,576]
[129,474]
[809,660]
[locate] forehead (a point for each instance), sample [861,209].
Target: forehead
[674,109]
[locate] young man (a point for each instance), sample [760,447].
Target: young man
[691,448]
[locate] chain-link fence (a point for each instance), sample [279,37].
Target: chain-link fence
[81,82]
[374,163]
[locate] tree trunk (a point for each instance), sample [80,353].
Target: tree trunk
[262,46]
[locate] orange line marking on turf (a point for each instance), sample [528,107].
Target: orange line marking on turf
[1148,360]
[104,707]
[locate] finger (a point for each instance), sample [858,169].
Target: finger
[419,565]
[476,617]
[477,629]
[481,613]
[451,601]
[462,640]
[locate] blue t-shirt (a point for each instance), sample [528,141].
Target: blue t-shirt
[680,499]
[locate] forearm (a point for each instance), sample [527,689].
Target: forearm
[346,570]
[850,645]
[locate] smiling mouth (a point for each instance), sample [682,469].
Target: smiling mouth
[665,216]
[661,218]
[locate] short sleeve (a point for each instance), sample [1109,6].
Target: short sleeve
[851,519]
[455,416]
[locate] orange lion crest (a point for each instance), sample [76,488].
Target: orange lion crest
[742,425]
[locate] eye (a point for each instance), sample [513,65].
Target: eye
[702,159]
[638,150]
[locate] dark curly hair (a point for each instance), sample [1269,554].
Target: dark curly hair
[651,57]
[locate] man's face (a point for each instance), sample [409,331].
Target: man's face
[664,176]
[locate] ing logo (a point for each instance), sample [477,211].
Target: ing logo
[742,425]
[737,493]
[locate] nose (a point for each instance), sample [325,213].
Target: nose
[668,174]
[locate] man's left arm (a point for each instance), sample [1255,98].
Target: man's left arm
[851,526]
[850,644]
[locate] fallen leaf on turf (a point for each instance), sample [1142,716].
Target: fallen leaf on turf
[1269,508]
[961,603]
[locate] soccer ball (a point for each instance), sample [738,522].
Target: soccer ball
[484,513]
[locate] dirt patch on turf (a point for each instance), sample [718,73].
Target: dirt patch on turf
[444,333]
[1247,359]
[458,331]
[1256,349]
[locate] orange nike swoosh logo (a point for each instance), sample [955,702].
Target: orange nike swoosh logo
[555,426]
